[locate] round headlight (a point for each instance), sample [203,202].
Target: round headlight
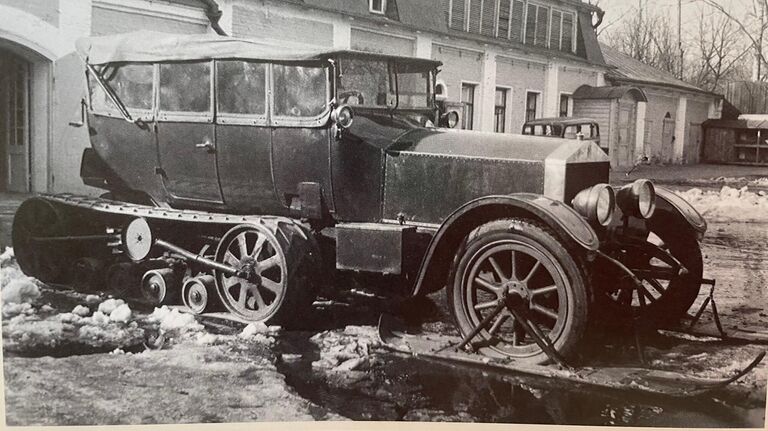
[450,119]
[342,116]
[637,199]
[596,204]
[606,203]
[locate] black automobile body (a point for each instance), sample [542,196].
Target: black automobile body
[566,128]
[236,173]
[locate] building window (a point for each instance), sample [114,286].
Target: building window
[561,35]
[537,25]
[531,103]
[565,105]
[377,6]
[468,107]
[500,110]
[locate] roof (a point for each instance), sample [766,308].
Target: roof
[629,70]
[565,121]
[736,124]
[148,46]
[610,92]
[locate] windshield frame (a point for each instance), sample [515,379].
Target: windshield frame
[393,78]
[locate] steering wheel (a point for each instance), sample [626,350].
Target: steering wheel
[346,95]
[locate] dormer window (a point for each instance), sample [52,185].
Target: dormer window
[377,6]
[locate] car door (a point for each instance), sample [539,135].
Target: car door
[243,137]
[186,135]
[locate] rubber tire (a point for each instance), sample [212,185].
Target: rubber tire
[544,240]
[684,290]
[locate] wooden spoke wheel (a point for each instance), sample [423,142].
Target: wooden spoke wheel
[46,261]
[526,262]
[666,293]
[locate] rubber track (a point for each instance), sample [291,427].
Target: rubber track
[134,210]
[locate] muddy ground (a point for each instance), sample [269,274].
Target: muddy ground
[217,372]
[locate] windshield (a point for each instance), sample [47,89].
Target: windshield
[384,83]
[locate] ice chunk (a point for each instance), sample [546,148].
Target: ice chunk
[108,306]
[254,328]
[20,290]
[120,314]
[99,319]
[172,319]
[12,309]
[81,310]
[7,257]
[92,299]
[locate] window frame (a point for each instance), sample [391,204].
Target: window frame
[383,10]
[569,104]
[505,117]
[473,104]
[146,115]
[563,13]
[319,120]
[244,119]
[537,108]
[186,116]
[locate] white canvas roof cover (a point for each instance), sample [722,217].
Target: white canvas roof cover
[149,46]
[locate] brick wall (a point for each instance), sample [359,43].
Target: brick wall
[375,42]
[46,10]
[521,76]
[263,22]
[107,21]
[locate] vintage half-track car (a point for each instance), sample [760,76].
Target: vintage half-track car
[247,174]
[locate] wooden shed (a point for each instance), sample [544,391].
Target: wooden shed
[742,141]
[615,110]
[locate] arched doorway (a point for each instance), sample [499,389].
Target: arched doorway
[14,122]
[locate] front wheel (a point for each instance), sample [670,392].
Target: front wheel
[523,258]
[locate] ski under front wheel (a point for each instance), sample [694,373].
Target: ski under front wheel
[276,269]
[522,258]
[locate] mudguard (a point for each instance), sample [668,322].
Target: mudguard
[671,202]
[564,220]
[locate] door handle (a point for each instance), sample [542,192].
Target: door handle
[207,145]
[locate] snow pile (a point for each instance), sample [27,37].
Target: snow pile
[349,350]
[19,291]
[108,306]
[120,314]
[172,319]
[7,257]
[81,310]
[729,204]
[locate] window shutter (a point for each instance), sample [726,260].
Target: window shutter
[542,26]
[475,15]
[516,25]
[567,44]
[489,17]
[530,25]
[457,15]
[504,11]
[554,38]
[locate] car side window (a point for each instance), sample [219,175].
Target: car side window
[299,91]
[185,87]
[132,83]
[241,87]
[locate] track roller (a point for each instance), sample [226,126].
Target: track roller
[199,294]
[160,286]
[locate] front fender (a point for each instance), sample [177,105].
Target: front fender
[670,202]
[564,220]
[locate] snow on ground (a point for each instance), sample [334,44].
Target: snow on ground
[729,204]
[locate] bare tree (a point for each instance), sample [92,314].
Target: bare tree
[751,21]
[648,38]
[721,51]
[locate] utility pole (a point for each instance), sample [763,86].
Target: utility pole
[680,34]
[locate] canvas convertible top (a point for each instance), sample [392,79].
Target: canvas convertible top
[149,46]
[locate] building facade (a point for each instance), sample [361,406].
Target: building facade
[504,60]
